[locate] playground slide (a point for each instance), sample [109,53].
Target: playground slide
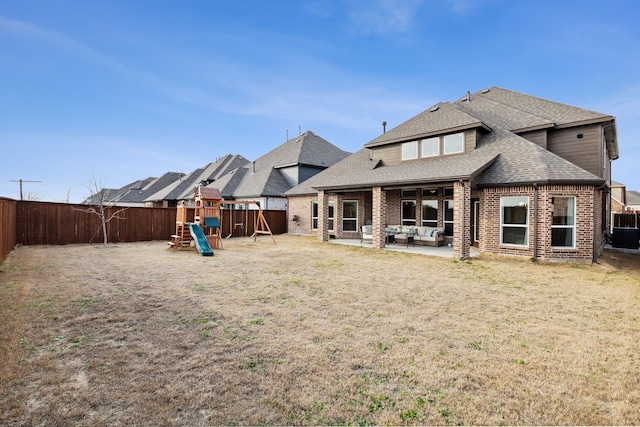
[201,240]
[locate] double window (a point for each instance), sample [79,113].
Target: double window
[563,223]
[314,216]
[514,221]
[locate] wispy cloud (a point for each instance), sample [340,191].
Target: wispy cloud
[383,16]
[45,36]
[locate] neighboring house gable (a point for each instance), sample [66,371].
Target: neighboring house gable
[271,175]
[184,188]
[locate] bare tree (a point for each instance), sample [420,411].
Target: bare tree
[98,201]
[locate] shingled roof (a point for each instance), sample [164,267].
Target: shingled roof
[500,158]
[184,188]
[442,117]
[263,178]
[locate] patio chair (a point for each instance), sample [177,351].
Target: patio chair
[367,233]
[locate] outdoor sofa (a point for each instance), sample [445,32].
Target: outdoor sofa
[428,236]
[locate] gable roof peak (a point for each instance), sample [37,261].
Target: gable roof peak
[443,117]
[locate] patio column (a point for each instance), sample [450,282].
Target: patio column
[323,216]
[378,217]
[461,219]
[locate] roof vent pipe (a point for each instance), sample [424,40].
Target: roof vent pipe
[468,96]
[253,167]
[384,127]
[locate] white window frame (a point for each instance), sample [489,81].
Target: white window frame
[425,141]
[523,202]
[429,222]
[410,150]
[571,227]
[450,138]
[314,218]
[350,219]
[408,221]
[332,213]
[446,221]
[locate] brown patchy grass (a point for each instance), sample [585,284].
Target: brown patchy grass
[307,333]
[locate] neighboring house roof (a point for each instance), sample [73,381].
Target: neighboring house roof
[263,178]
[184,188]
[228,183]
[633,198]
[501,157]
[104,194]
[139,195]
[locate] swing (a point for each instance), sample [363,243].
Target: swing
[235,222]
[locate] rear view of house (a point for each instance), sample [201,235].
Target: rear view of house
[507,172]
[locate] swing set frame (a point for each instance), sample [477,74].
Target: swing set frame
[260,225]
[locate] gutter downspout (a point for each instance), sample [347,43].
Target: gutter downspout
[535,220]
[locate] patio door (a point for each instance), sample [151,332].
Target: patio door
[475,222]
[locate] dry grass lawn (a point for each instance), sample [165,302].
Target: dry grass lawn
[309,333]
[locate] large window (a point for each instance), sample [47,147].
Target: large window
[453,143]
[448,218]
[314,215]
[410,150]
[429,213]
[514,221]
[408,212]
[563,224]
[350,215]
[431,147]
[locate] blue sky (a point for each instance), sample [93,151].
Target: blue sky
[124,90]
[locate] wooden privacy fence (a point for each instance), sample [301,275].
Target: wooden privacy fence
[44,223]
[631,220]
[241,223]
[7,226]
[41,223]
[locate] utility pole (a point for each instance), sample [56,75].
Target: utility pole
[21,181]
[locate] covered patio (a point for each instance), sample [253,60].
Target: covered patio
[441,251]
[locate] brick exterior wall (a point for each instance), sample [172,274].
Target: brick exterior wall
[385,208]
[379,203]
[301,207]
[461,212]
[616,205]
[584,229]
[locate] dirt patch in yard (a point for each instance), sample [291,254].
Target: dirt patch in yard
[307,333]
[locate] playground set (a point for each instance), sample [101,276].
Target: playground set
[206,214]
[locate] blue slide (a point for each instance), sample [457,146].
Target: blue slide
[201,240]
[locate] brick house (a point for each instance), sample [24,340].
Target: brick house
[507,172]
